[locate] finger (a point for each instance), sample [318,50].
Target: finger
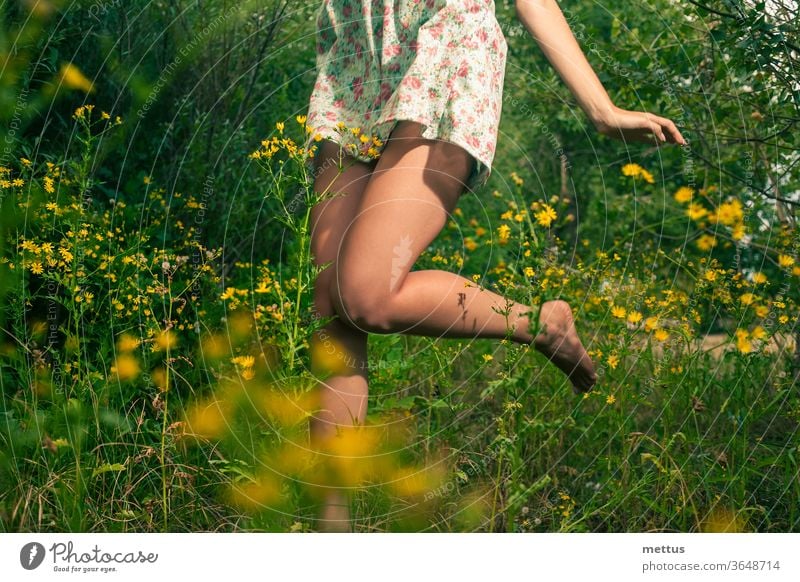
[657,131]
[671,129]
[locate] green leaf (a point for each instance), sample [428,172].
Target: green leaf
[107,467]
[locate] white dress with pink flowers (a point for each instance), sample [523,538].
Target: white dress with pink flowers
[437,62]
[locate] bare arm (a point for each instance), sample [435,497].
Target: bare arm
[546,23]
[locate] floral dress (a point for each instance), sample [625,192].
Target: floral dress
[440,63]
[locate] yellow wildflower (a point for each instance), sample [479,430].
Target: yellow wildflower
[503,231]
[742,341]
[728,213]
[244,361]
[696,211]
[785,260]
[706,242]
[633,170]
[634,317]
[618,311]
[683,194]
[546,216]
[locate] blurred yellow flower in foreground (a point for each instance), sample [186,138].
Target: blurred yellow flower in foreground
[166,340]
[286,408]
[126,367]
[209,418]
[416,481]
[723,520]
[72,77]
[127,343]
[263,492]
[330,357]
[351,456]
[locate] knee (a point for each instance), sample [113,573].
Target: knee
[360,305]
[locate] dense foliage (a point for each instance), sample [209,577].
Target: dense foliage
[156,281]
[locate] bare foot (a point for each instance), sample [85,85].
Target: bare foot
[559,341]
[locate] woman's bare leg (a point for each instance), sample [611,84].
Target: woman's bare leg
[408,199]
[342,396]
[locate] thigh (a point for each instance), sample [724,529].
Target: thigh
[408,200]
[331,217]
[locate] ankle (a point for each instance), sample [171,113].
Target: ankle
[521,327]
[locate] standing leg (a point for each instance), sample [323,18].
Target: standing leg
[342,396]
[413,188]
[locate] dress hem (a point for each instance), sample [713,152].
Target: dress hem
[481,170]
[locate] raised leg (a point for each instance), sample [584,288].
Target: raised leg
[413,188]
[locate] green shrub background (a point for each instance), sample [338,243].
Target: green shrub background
[155,283]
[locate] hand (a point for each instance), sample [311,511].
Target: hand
[638,126]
